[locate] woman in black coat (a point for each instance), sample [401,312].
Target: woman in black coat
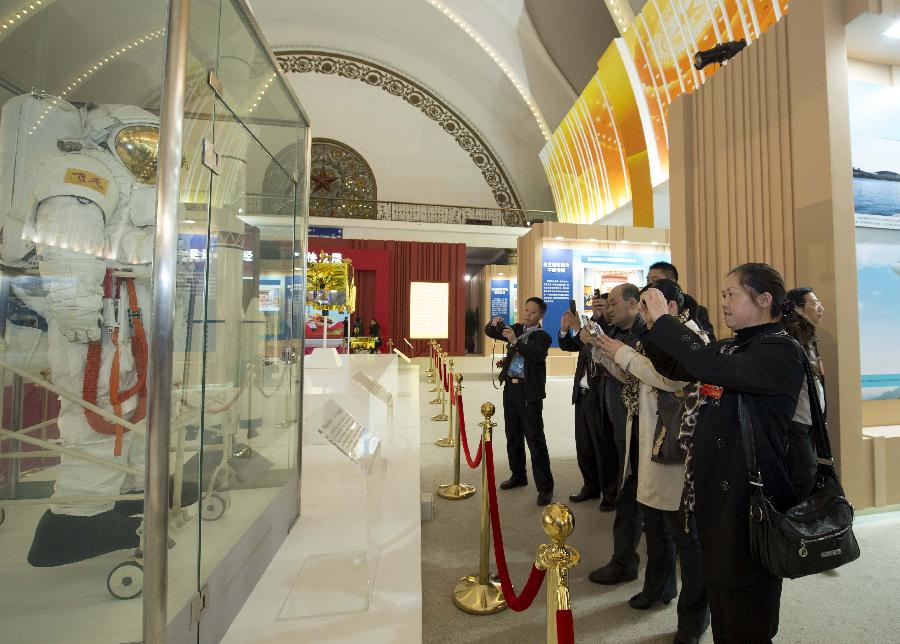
[765,367]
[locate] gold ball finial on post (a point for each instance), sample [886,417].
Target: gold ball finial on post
[458,377]
[558,523]
[487,410]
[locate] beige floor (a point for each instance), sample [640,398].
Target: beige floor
[860,603]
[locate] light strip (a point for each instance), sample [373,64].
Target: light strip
[505,67]
[665,30]
[657,176]
[91,68]
[8,22]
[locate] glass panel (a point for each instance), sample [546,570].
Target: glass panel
[78,136]
[250,403]
[254,91]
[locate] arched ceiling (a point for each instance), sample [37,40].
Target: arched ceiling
[474,71]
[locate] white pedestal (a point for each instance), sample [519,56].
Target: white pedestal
[323,358]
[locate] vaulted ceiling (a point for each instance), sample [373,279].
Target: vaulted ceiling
[511,68]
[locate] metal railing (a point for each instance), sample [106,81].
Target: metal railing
[342,208]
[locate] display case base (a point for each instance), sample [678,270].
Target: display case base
[323,358]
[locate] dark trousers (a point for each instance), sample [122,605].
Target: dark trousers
[745,614]
[596,450]
[627,524]
[665,533]
[524,421]
[802,459]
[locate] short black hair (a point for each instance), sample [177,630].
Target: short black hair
[542,305]
[798,295]
[668,269]
[630,292]
[670,290]
[599,296]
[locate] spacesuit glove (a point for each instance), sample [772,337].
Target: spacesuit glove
[78,324]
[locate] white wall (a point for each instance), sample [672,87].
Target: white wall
[412,157]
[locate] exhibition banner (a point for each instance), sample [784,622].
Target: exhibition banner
[330,232]
[556,287]
[875,151]
[500,300]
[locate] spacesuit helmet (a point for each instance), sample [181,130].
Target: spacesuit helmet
[131,134]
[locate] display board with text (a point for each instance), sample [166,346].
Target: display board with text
[429,310]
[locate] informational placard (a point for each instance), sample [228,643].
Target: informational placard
[374,387]
[500,300]
[350,436]
[556,287]
[875,153]
[429,310]
[326,231]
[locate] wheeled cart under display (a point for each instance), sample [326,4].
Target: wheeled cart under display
[150,316]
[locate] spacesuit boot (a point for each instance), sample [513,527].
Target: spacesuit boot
[190,493]
[63,539]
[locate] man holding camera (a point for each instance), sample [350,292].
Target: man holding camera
[524,375]
[595,445]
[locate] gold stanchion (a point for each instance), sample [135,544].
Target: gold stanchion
[441,417]
[439,385]
[390,346]
[448,441]
[480,594]
[452,439]
[556,558]
[429,373]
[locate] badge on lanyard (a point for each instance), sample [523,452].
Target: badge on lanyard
[712,391]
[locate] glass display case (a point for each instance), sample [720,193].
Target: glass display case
[151,319]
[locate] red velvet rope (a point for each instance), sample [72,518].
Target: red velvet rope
[565,628]
[446,380]
[473,463]
[536,578]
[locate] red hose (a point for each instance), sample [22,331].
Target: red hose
[565,628]
[536,578]
[473,463]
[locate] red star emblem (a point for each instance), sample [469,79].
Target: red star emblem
[322,180]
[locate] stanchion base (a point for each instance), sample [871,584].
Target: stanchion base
[445,442]
[441,417]
[478,599]
[436,401]
[434,389]
[454,492]
[430,380]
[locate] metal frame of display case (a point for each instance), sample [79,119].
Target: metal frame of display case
[155,598]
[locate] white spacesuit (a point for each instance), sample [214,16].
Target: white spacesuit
[83,193]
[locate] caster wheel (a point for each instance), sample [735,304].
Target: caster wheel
[126,581]
[2,515]
[213,508]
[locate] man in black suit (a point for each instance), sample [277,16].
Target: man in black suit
[698,312]
[595,446]
[524,376]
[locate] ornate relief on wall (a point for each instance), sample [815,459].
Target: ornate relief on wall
[392,82]
[341,182]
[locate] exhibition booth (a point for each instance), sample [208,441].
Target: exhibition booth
[138,300]
[560,262]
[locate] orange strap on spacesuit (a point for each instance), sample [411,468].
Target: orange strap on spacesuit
[92,370]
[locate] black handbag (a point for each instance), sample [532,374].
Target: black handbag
[669,412]
[816,534]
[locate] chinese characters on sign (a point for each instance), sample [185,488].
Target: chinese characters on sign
[556,286]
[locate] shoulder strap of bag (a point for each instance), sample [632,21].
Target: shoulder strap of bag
[747,437]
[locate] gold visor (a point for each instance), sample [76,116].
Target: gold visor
[137,147]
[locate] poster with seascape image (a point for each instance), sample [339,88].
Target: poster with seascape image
[875,150]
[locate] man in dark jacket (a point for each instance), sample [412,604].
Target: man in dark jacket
[524,376]
[667,271]
[595,446]
[624,314]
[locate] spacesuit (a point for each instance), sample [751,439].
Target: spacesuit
[90,208]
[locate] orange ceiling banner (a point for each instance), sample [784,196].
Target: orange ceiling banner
[612,147]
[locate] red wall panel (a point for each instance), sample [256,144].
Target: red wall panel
[406,262]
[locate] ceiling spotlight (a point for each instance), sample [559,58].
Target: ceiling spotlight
[893,31]
[718,54]
[467,277]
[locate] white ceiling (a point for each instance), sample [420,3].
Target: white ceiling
[419,41]
[866,40]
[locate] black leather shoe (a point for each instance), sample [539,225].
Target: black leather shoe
[607,506]
[545,498]
[611,574]
[681,638]
[642,601]
[584,495]
[512,482]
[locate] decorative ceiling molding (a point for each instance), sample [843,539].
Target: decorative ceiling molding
[435,108]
